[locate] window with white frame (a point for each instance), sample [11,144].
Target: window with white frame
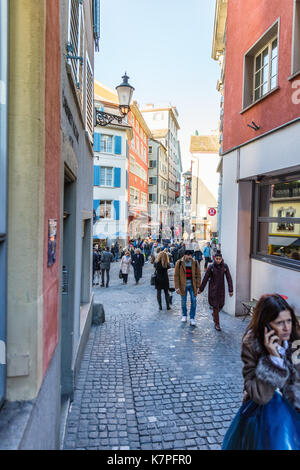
[266,69]
[105,210]
[261,67]
[134,196]
[106,176]
[143,199]
[89,98]
[296,39]
[106,143]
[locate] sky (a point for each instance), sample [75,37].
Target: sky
[165,48]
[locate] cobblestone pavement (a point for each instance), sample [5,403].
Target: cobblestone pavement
[148,381]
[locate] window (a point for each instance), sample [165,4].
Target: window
[152,163]
[106,175]
[152,180]
[296,39]
[106,143]
[276,230]
[266,67]
[134,196]
[105,210]
[152,197]
[143,199]
[150,149]
[89,98]
[261,67]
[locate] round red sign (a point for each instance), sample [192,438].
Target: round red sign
[212,211]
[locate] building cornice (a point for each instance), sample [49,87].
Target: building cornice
[219,28]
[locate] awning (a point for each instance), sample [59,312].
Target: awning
[101,236]
[282,241]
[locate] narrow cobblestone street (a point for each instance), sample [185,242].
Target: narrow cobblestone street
[148,381]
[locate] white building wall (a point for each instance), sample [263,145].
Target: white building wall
[111,226]
[230,224]
[277,152]
[269,279]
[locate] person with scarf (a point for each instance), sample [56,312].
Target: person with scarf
[215,275]
[269,418]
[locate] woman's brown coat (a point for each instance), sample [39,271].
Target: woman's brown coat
[262,377]
[216,290]
[180,276]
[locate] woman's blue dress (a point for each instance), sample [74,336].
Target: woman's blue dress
[274,426]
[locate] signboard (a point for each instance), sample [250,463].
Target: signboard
[212,211]
[52,229]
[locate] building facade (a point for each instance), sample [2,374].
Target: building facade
[260,148]
[49,213]
[158,188]
[138,217]
[163,123]
[205,182]
[111,176]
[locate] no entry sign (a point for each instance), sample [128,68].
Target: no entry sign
[212,211]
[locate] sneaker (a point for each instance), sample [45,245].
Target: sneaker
[192,322]
[183,319]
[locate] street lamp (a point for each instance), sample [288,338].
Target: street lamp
[125,91]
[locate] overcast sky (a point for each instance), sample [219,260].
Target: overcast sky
[165,48]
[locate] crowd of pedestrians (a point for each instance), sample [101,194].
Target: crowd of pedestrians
[269,417]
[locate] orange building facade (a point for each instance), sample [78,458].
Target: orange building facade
[138,174]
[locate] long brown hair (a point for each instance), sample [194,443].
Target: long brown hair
[267,309]
[163,258]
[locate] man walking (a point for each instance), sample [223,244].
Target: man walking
[138,263]
[187,279]
[106,259]
[96,265]
[207,255]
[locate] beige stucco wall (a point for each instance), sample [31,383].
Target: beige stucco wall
[26,197]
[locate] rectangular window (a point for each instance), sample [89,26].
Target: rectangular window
[152,197]
[150,149]
[296,39]
[266,69]
[89,98]
[152,180]
[261,67]
[106,176]
[152,163]
[105,209]
[106,144]
[143,199]
[276,230]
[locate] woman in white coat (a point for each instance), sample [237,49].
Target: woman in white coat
[125,266]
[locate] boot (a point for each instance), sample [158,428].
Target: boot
[216,319]
[159,299]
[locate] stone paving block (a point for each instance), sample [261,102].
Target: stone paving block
[130,388]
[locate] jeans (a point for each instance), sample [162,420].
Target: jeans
[103,275]
[116,257]
[193,302]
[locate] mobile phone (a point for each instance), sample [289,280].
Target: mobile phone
[269,328]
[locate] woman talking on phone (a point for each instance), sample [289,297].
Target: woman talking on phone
[269,418]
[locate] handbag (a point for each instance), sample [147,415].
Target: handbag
[153,278]
[120,274]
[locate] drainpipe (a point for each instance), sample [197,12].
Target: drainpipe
[3,188]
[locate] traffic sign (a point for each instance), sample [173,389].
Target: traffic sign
[212,211]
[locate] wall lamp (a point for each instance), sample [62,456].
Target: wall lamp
[125,91]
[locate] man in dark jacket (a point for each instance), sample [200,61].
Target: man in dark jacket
[106,259]
[96,265]
[138,263]
[216,291]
